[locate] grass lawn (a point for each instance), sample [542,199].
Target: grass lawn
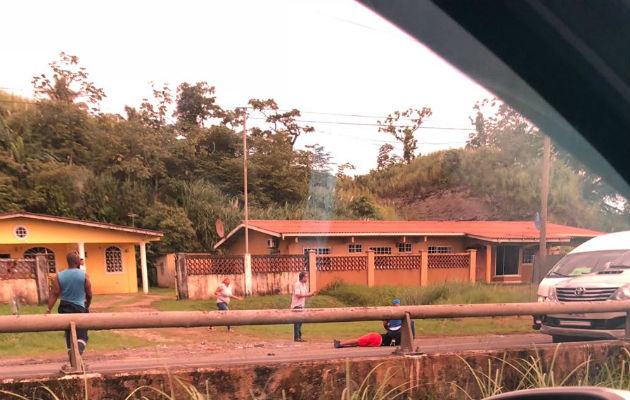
[341,295]
[353,295]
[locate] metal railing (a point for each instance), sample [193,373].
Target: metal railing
[189,319]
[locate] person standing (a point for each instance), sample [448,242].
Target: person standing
[75,289]
[224,295]
[298,301]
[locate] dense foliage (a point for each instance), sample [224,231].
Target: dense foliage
[60,155]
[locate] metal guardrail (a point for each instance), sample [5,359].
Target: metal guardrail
[189,319]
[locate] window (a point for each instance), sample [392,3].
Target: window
[381,250]
[528,255]
[318,250]
[440,249]
[20,232]
[404,247]
[355,248]
[113,260]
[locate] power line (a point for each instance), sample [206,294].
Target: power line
[368,124]
[308,121]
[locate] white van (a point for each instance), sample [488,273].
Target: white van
[597,270]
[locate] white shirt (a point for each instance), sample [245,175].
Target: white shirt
[224,294]
[299,288]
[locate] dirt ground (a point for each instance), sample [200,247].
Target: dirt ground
[174,342]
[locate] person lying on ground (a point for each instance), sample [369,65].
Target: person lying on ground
[371,339]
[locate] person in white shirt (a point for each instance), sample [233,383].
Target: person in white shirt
[224,294]
[298,300]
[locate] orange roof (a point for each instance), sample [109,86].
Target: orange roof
[487,230]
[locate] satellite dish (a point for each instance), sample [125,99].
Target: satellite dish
[220,230]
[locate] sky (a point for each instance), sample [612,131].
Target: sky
[340,64]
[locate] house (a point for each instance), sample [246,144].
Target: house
[504,249]
[109,251]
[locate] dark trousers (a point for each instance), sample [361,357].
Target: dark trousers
[66,307]
[297,327]
[223,307]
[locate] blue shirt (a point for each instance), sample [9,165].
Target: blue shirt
[72,284]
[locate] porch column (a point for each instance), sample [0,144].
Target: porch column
[143,267]
[472,275]
[82,254]
[488,263]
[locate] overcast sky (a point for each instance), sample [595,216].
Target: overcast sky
[322,57]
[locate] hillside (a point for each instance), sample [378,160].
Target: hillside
[455,204]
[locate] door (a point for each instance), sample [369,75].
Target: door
[507,260]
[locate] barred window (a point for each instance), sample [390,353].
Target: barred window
[440,249]
[355,248]
[528,255]
[381,250]
[404,247]
[113,260]
[318,250]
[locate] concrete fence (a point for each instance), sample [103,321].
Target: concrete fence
[24,280]
[198,275]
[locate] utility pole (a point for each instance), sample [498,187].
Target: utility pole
[245,179]
[544,194]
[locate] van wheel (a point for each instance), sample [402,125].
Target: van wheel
[560,339]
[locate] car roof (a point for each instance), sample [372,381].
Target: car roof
[610,241]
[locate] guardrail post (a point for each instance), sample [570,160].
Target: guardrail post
[75,355]
[406,336]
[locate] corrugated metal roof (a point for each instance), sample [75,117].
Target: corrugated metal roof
[483,229]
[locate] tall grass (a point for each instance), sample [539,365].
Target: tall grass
[534,372]
[441,293]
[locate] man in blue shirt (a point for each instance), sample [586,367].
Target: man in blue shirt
[393,327]
[75,289]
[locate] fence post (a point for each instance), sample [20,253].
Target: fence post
[247,275]
[424,268]
[312,270]
[41,279]
[473,265]
[370,268]
[181,276]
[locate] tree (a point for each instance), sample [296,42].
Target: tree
[68,84]
[282,123]
[404,133]
[384,160]
[195,104]
[153,111]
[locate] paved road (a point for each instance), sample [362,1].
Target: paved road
[271,353]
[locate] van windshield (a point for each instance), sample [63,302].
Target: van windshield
[585,263]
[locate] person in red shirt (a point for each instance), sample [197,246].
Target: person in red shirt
[371,339]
